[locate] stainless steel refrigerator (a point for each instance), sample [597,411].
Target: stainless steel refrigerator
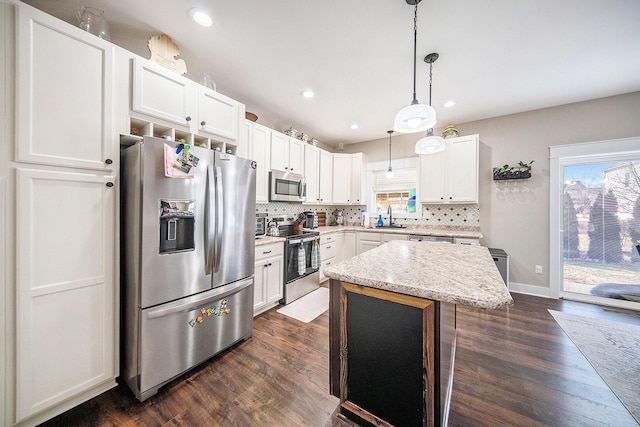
[187,258]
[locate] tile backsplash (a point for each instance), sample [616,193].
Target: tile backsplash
[433,215]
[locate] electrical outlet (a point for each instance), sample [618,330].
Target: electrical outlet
[538,269]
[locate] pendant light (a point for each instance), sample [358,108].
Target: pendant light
[430,143]
[390,171]
[415,117]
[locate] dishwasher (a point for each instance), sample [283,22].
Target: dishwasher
[430,238]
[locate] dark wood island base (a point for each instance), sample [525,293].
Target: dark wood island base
[391,356]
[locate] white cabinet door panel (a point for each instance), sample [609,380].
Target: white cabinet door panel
[65,286]
[64,88]
[163,94]
[218,115]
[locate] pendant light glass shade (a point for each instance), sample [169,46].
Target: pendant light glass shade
[415,118]
[430,144]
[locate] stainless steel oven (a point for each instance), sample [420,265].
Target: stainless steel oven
[287,187]
[301,273]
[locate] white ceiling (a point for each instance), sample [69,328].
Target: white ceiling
[497,57]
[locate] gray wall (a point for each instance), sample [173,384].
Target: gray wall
[518,221]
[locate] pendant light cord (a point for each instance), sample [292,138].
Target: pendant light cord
[430,79]
[389,132]
[415,42]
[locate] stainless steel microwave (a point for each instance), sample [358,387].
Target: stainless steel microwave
[287,187]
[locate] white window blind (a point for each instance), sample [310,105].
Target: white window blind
[403,180]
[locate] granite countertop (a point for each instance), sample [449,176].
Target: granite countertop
[427,230]
[267,240]
[459,274]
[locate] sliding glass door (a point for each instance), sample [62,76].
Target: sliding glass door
[599,228]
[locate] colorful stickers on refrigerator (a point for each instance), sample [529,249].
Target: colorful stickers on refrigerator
[179,162]
[210,311]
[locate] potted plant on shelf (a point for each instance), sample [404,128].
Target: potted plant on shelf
[521,171]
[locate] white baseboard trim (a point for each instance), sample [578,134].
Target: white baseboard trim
[538,291]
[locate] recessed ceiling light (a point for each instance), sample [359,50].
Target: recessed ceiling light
[201,17]
[449,104]
[354,126]
[308,93]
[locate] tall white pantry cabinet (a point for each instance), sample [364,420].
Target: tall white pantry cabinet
[60,161]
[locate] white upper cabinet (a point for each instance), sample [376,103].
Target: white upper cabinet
[451,176]
[162,94]
[64,89]
[296,156]
[287,154]
[279,151]
[358,178]
[326,177]
[259,150]
[342,178]
[218,115]
[312,173]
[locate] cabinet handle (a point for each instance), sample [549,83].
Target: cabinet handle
[188,118]
[109,184]
[202,123]
[108,161]
[267,252]
[328,247]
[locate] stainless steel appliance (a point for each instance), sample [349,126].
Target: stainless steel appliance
[501,259]
[299,279]
[287,187]
[187,258]
[430,238]
[261,224]
[309,219]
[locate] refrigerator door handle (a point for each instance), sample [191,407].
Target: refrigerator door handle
[209,236]
[197,302]
[219,221]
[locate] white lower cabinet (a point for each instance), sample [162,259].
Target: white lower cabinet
[330,246]
[268,277]
[65,292]
[368,241]
[349,245]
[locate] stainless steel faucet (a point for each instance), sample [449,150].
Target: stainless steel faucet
[390,212]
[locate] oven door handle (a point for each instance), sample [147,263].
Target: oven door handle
[302,240]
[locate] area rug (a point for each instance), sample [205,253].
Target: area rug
[613,349]
[308,307]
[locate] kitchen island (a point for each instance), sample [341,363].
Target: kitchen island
[392,327]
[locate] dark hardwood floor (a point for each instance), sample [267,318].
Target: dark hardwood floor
[514,367]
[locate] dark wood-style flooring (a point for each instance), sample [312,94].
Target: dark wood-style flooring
[514,367]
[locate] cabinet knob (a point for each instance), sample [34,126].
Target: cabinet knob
[109,184]
[441,198]
[188,118]
[450,197]
[291,169]
[202,123]
[108,161]
[285,168]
